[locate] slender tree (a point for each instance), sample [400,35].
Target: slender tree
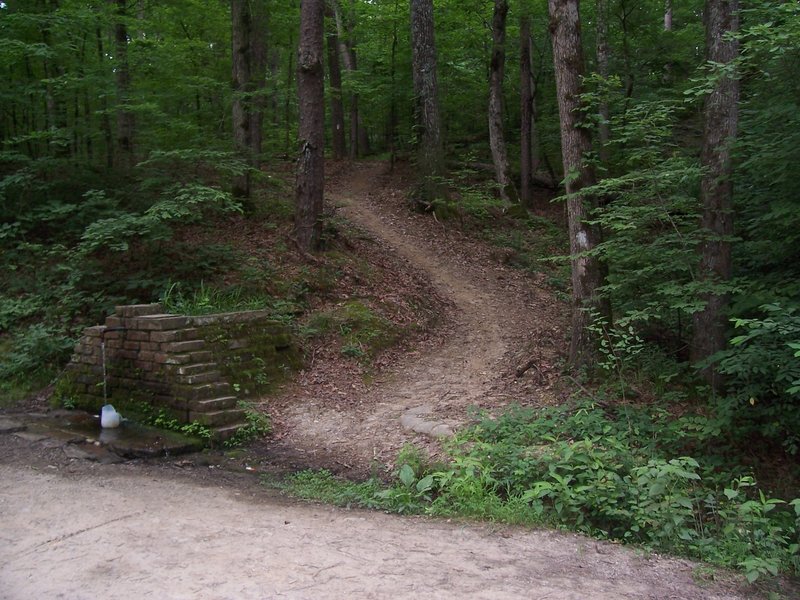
[603,52]
[430,151]
[125,117]
[529,139]
[588,273]
[721,113]
[337,108]
[249,63]
[497,140]
[311,131]
[667,15]
[347,51]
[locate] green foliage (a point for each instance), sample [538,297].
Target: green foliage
[363,332]
[620,475]
[762,368]
[194,429]
[650,223]
[619,345]
[258,426]
[147,414]
[38,348]
[325,487]
[205,300]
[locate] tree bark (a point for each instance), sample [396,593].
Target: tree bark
[721,112]
[588,273]
[348,55]
[248,69]
[337,108]
[497,141]
[603,52]
[392,127]
[126,124]
[430,152]
[105,120]
[311,129]
[529,142]
[667,15]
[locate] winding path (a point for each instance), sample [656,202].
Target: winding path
[494,316]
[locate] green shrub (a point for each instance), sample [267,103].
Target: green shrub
[762,368]
[620,474]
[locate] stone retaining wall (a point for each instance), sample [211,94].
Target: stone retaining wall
[197,368]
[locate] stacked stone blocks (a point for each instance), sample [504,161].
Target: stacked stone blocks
[182,364]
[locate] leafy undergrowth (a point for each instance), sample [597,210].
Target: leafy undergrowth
[101,253]
[637,475]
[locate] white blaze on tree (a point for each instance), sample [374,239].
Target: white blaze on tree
[588,273]
[311,130]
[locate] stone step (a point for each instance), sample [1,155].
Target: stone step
[201,356]
[218,418]
[174,335]
[226,432]
[204,391]
[195,368]
[181,360]
[207,377]
[213,404]
[183,347]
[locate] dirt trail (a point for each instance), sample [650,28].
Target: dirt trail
[494,315]
[188,529]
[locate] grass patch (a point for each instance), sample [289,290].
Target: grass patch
[362,332]
[205,300]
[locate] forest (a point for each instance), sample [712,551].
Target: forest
[645,150]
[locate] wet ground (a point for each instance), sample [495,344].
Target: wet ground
[79,435]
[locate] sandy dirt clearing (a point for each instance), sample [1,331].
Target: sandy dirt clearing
[147,536]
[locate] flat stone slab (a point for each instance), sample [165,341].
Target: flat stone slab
[10,425]
[29,436]
[413,420]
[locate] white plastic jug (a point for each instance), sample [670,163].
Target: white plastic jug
[109,417]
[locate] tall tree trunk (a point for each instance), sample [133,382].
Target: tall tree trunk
[430,151]
[393,93]
[105,121]
[526,114]
[248,70]
[126,122]
[626,11]
[588,273]
[667,15]
[311,131]
[667,78]
[287,104]
[721,112]
[348,55]
[497,141]
[55,103]
[602,50]
[337,108]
